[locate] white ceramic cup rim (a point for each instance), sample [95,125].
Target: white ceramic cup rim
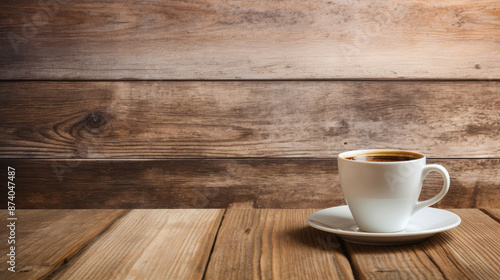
[342,156]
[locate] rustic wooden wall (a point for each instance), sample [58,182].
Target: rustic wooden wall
[194,104]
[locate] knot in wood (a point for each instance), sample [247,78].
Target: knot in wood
[96,122]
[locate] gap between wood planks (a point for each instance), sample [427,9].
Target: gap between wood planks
[485,211]
[66,261]
[213,245]
[355,272]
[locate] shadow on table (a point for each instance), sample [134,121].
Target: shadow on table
[436,241]
[321,240]
[314,238]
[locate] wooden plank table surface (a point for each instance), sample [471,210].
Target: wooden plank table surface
[235,244]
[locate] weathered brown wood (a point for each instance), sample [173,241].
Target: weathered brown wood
[275,244]
[474,184]
[493,213]
[47,238]
[224,39]
[460,253]
[392,262]
[246,119]
[470,251]
[150,244]
[242,183]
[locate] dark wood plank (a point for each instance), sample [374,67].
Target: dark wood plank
[469,251]
[150,244]
[47,238]
[246,119]
[224,39]
[242,183]
[275,244]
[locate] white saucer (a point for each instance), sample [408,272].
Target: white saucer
[425,223]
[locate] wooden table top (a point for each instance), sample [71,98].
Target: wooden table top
[235,244]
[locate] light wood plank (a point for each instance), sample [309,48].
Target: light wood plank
[392,262]
[222,39]
[468,252]
[246,119]
[494,213]
[216,183]
[149,244]
[277,244]
[45,239]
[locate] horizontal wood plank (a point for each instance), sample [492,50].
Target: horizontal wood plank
[149,244]
[241,183]
[222,39]
[45,239]
[275,244]
[246,119]
[469,251]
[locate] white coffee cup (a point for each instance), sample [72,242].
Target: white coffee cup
[382,187]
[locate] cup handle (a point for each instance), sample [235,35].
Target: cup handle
[446,186]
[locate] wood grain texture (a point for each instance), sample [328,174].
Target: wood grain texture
[469,251]
[256,39]
[392,262]
[246,119]
[275,244]
[242,183]
[150,244]
[45,239]
[493,213]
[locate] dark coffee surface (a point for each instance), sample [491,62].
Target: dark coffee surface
[381,158]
